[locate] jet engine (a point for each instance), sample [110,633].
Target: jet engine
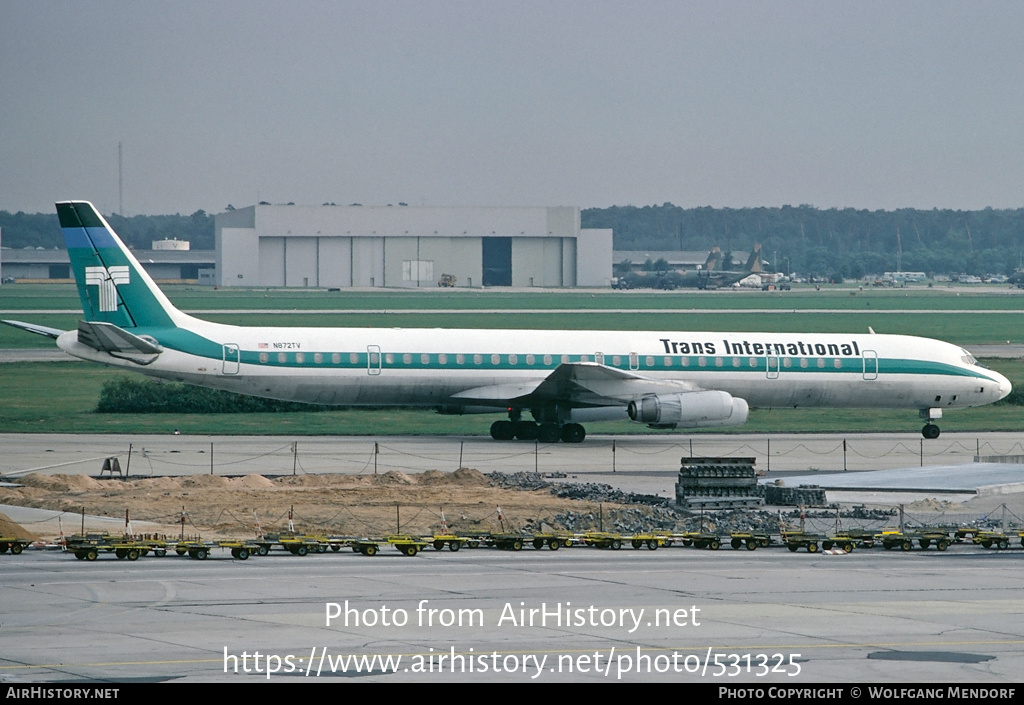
[690,410]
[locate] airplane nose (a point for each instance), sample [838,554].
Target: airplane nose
[1004,387]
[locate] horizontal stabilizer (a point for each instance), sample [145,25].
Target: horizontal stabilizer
[33,328]
[106,337]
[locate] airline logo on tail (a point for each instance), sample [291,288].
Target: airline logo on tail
[107,281]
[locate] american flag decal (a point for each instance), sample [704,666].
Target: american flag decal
[107,281]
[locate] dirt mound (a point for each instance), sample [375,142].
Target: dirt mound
[252,482]
[434,477]
[470,476]
[61,483]
[10,529]
[394,477]
[204,481]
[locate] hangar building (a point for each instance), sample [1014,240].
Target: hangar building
[409,246]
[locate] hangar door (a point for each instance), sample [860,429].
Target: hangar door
[497,261]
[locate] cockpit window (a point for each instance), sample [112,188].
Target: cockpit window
[968,358]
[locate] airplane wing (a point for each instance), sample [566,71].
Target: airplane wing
[576,385]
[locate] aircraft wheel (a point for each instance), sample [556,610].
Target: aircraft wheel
[527,430]
[549,433]
[573,433]
[930,431]
[503,431]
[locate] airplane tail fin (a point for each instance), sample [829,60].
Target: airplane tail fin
[714,257]
[754,261]
[113,286]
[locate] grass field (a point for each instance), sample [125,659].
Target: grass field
[60,397]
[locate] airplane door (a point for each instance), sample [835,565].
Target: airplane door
[373,361]
[772,366]
[231,359]
[870,358]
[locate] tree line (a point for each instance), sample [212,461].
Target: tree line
[847,243]
[838,243]
[20,230]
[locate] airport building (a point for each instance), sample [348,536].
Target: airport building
[408,246]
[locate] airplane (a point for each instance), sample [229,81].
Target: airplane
[709,276]
[563,379]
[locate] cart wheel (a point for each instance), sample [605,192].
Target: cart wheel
[335,547]
[120,553]
[517,545]
[637,543]
[652,545]
[906,546]
[454,545]
[1003,543]
[616,544]
[438,545]
[92,554]
[538,544]
[942,545]
[159,552]
[826,545]
[812,547]
[751,545]
[243,554]
[369,550]
[16,549]
[301,550]
[474,544]
[412,550]
[554,544]
[263,549]
[737,543]
[201,554]
[847,547]
[80,555]
[792,547]
[713,544]
[132,554]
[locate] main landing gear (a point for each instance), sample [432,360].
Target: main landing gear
[547,432]
[930,431]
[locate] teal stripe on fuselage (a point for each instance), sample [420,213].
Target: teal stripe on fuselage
[191,343]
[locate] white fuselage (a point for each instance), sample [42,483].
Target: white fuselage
[428,367]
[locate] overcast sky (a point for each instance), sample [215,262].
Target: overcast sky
[834,104]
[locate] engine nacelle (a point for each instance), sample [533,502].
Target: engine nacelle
[690,410]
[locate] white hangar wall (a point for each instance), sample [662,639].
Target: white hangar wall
[367,246]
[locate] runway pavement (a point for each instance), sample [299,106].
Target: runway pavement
[870,616]
[768,617]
